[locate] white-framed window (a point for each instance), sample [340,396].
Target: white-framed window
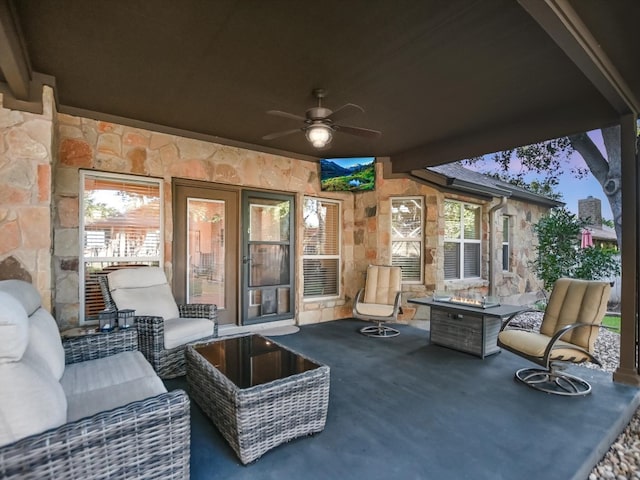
[321,247]
[120,226]
[506,241]
[407,237]
[462,240]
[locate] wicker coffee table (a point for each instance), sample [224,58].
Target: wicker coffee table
[258,393]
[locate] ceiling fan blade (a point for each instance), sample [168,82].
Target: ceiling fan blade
[290,116]
[273,136]
[358,131]
[345,111]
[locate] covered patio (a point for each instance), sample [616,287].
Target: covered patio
[403,408]
[442,81]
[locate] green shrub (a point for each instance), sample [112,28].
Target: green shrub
[560,255]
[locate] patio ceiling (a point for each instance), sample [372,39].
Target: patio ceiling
[442,80]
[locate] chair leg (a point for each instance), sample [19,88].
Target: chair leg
[553,381]
[379,331]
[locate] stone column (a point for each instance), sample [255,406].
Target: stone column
[26,141]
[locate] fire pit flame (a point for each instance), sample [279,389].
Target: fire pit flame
[485,302]
[466,301]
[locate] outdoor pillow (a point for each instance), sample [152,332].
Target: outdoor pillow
[24,292]
[154,301]
[136,277]
[144,290]
[45,343]
[14,329]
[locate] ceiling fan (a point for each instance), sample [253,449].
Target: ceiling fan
[320,122]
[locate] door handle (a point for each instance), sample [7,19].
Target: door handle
[246,259]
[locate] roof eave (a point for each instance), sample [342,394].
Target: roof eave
[463,186]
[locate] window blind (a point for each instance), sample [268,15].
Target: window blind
[451,260]
[321,247]
[506,256]
[471,260]
[407,237]
[320,276]
[122,228]
[463,229]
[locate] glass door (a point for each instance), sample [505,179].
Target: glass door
[206,247]
[267,257]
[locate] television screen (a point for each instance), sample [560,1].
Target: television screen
[348,174]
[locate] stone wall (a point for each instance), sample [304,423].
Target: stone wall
[519,285]
[26,141]
[94,145]
[40,159]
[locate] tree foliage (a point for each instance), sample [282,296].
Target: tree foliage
[94,210]
[560,255]
[549,159]
[545,159]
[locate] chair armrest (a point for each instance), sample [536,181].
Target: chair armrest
[151,329]
[199,310]
[99,345]
[150,337]
[509,319]
[357,300]
[397,303]
[128,442]
[556,337]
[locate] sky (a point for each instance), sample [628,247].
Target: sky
[574,189]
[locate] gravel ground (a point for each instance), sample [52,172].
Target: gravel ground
[622,461]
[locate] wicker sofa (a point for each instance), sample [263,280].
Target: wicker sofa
[89,407]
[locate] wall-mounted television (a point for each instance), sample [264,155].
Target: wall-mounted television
[355,174]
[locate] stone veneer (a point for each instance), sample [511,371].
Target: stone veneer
[29,211]
[519,286]
[26,144]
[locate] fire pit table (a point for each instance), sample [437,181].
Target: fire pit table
[467,327]
[258,393]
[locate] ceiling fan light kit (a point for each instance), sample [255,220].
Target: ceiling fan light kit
[319,135]
[319,122]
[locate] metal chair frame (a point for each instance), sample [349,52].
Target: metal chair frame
[552,378]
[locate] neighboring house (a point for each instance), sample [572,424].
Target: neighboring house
[510,215]
[261,234]
[590,210]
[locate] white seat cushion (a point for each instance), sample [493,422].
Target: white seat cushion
[110,382]
[31,401]
[180,331]
[14,329]
[375,309]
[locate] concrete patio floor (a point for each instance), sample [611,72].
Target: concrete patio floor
[402,408]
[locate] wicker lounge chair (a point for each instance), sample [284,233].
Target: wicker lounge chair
[154,293]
